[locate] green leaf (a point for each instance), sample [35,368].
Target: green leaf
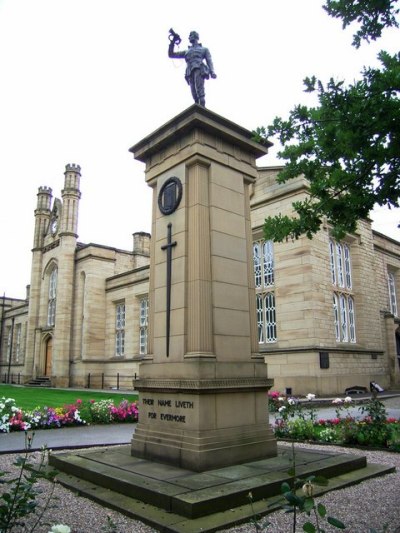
[308,505]
[285,487]
[335,522]
[321,509]
[308,527]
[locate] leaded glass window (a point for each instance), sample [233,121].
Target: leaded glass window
[51,307]
[17,342]
[336,316]
[268,260]
[343,300]
[143,325]
[352,322]
[347,266]
[392,294]
[264,277]
[120,329]
[270,317]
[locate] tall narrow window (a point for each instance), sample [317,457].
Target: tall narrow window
[392,294]
[343,319]
[270,317]
[343,301]
[17,342]
[332,262]
[336,316]
[352,322]
[51,308]
[347,266]
[339,263]
[264,276]
[143,325]
[9,343]
[260,318]
[120,329]
[268,256]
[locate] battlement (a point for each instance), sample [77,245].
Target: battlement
[73,168]
[45,190]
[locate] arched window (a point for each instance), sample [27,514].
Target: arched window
[51,307]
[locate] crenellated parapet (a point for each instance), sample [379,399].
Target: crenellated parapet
[44,196]
[71,195]
[42,215]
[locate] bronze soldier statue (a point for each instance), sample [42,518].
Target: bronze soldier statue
[199,64]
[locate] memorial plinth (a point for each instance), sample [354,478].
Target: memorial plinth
[203,386]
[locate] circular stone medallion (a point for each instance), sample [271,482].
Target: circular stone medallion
[170,195]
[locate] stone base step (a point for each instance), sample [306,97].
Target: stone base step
[39,382]
[176,500]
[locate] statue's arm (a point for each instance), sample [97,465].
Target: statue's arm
[172,53]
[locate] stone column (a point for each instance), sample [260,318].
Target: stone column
[203,388]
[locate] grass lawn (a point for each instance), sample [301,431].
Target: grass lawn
[27,398]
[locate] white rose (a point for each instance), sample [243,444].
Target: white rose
[348,399]
[310,396]
[281,409]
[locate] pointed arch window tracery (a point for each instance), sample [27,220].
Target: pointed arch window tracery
[52,297]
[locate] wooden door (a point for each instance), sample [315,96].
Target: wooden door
[49,354]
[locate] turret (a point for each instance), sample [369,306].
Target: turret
[42,215]
[70,196]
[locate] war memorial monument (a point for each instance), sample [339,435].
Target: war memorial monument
[203,440]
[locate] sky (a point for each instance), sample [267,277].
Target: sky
[84,80]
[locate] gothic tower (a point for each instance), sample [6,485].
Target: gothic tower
[52,279]
[42,219]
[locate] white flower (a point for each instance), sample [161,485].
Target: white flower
[337,401]
[310,396]
[308,489]
[291,401]
[281,399]
[281,409]
[60,528]
[348,399]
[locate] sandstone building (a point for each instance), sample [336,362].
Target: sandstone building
[326,311]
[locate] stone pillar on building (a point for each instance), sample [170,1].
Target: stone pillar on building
[42,218]
[203,386]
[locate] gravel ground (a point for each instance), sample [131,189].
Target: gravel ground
[371,504]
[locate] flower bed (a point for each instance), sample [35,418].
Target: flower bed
[299,421]
[12,418]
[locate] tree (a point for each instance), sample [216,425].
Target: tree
[348,147]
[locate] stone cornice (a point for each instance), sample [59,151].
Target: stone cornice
[206,386]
